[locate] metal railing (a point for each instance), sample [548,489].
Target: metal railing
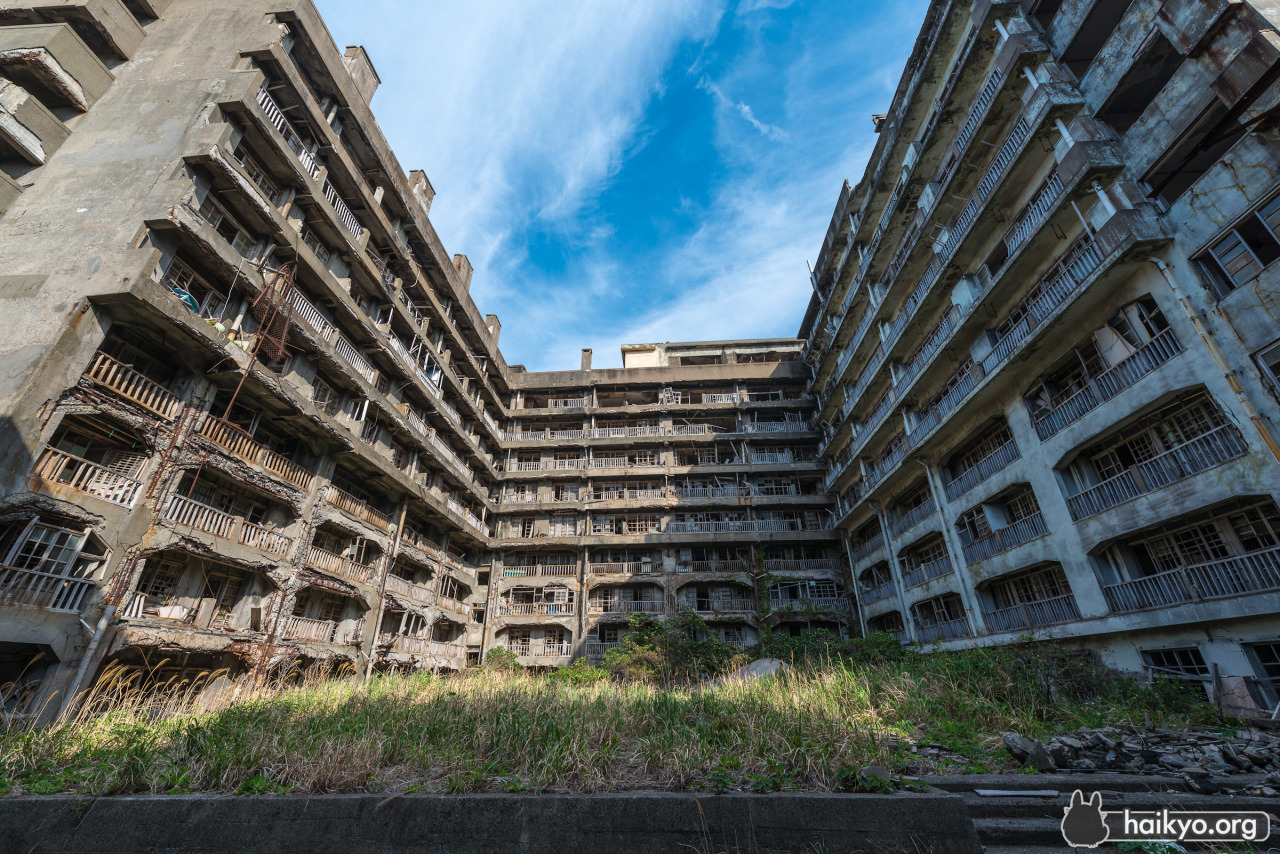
[405,587]
[45,590]
[1107,384]
[1210,449]
[866,547]
[532,650]
[722,397]
[1008,537]
[63,469]
[277,119]
[809,564]
[302,307]
[542,569]
[993,462]
[719,606]
[595,650]
[879,593]
[1216,579]
[349,354]
[926,572]
[134,386]
[949,630]
[1029,615]
[913,517]
[567,403]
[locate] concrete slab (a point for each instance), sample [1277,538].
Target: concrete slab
[646,823]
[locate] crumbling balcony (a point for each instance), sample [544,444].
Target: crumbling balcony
[48,591]
[1003,539]
[356,507]
[133,386]
[942,631]
[189,513]
[309,630]
[340,565]
[235,440]
[61,468]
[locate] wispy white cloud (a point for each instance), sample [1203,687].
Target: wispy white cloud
[743,109]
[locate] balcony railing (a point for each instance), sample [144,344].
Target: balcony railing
[1003,539]
[304,629]
[811,564]
[542,569]
[626,606]
[345,216]
[131,385]
[339,565]
[722,397]
[303,308]
[44,590]
[926,572]
[879,593]
[1030,615]
[1107,384]
[712,566]
[277,119]
[410,589]
[63,469]
[776,426]
[567,403]
[535,609]
[998,459]
[1217,579]
[913,517]
[596,649]
[866,547]
[1214,448]
[349,354]
[625,567]
[192,514]
[242,445]
[720,606]
[817,603]
[348,503]
[421,646]
[949,630]
[541,650]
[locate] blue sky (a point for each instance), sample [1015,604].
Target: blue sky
[632,172]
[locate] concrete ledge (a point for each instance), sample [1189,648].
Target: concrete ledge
[649,823]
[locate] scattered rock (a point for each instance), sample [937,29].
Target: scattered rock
[1018,746]
[763,667]
[1039,758]
[1202,786]
[866,775]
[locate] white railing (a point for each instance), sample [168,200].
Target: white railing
[596,649]
[132,385]
[244,446]
[532,650]
[352,357]
[277,119]
[341,565]
[777,426]
[727,565]
[405,587]
[1030,615]
[535,609]
[303,308]
[567,403]
[722,397]
[63,469]
[867,547]
[345,216]
[43,590]
[1199,454]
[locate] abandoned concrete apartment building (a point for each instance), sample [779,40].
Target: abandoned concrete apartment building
[254,421]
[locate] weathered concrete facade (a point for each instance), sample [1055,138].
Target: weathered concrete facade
[253,419]
[1044,338]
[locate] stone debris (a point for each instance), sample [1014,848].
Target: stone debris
[1200,756]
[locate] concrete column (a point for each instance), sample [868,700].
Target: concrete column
[956,549]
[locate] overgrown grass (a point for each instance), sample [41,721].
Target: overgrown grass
[811,728]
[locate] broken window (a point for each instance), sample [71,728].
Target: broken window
[1242,253]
